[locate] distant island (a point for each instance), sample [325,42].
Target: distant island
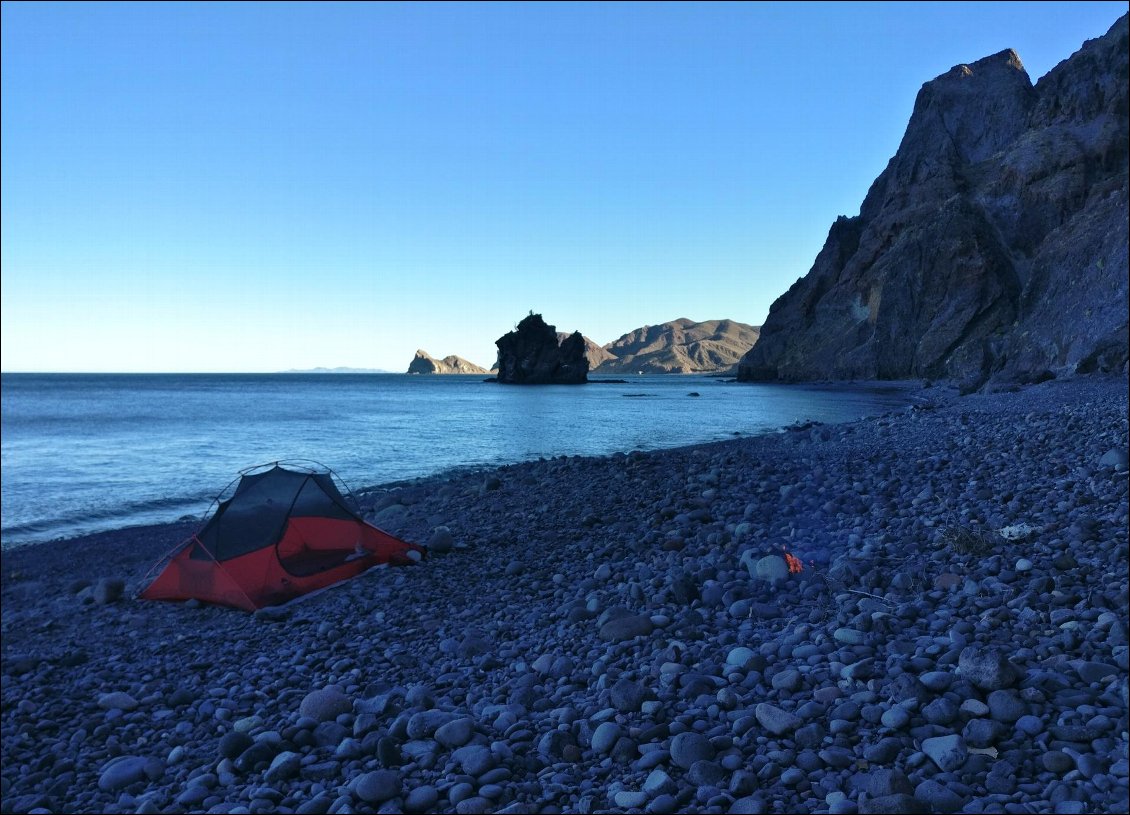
[425,363]
[680,346]
[338,370]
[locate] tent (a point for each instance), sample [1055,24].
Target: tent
[287,530]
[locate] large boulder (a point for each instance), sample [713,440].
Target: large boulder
[994,244]
[531,355]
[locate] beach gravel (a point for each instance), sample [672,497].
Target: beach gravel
[623,634]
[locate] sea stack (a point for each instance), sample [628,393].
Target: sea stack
[532,355]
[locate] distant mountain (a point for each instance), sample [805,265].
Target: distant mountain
[424,363]
[339,370]
[681,346]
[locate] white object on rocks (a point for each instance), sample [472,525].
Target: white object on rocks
[1016,532]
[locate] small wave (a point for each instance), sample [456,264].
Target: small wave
[99,519]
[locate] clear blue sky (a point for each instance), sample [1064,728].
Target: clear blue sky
[228,187]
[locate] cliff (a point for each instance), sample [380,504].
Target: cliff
[993,246]
[532,355]
[424,363]
[594,353]
[680,346]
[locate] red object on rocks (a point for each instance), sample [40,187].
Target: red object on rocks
[286,531]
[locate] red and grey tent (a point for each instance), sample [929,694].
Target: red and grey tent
[285,531]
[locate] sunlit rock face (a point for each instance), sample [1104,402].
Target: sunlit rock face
[992,247]
[679,347]
[531,355]
[424,363]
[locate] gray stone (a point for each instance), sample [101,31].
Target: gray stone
[775,720]
[421,799]
[983,732]
[426,723]
[948,752]
[629,799]
[283,766]
[234,743]
[377,786]
[627,696]
[687,748]
[1095,671]
[108,590]
[455,733]
[938,797]
[849,636]
[441,540]
[1117,459]
[936,681]
[625,628]
[749,805]
[475,759]
[771,568]
[659,783]
[885,781]
[325,704]
[987,667]
[1006,706]
[118,700]
[123,771]
[898,804]
[604,738]
[739,657]
[1057,762]
[895,718]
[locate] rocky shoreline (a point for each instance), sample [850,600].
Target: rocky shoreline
[624,634]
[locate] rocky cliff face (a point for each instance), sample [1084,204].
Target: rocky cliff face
[594,353]
[993,246]
[532,355]
[424,363]
[680,346]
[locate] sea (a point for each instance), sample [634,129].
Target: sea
[84,453]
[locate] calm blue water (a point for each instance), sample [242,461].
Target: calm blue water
[84,453]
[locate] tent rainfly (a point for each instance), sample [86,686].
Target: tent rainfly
[287,530]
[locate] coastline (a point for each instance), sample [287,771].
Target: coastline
[514,635]
[134,497]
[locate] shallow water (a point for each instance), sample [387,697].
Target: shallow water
[83,453]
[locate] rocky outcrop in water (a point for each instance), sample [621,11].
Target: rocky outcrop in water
[594,353]
[424,363]
[993,246]
[680,347]
[532,355]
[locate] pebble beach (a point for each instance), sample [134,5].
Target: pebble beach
[630,633]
